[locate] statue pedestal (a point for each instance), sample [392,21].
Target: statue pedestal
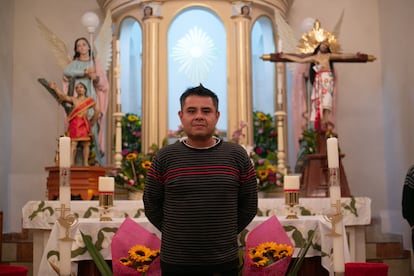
[315,176]
[83,182]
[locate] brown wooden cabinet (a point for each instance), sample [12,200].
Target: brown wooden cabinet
[83,182]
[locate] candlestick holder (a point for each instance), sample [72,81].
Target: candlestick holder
[334,219]
[67,222]
[335,195]
[291,200]
[106,201]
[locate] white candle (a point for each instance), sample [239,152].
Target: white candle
[64,171]
[106,184]
[335,193]
[332,150]
[64,152]
[65,248]
[338,249]
[291,182]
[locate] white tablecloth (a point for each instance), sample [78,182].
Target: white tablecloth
[43,214]
[103,231]
[41,217]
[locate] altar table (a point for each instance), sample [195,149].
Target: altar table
[41,216]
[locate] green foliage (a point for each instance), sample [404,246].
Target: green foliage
[99,261]
[264,134]
[131,134]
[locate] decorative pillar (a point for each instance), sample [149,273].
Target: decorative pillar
[118,114]
[151,92]
[243,95]
[280,115]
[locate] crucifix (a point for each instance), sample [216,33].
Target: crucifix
[319,49]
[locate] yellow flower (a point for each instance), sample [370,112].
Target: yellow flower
[271,167]
[269,252]
[146,164]
[262,173]
[261,116]
[140,258]
[125,261]
[132,118]
[139,253]
[131,156]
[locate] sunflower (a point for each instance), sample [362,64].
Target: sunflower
[140,258]
[267,253]
[262,173]
[146,164]
[261,116]
[134,168]
[131,156]
[132,117]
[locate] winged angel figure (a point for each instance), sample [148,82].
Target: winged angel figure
[314,86]
[86,68]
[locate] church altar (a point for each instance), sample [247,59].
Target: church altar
[40,216]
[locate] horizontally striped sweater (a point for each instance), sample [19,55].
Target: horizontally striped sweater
[200,199]
[408,197]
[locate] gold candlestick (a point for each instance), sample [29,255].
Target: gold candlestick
[291,200]
[106,201]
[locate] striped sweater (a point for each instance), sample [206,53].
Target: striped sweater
[408,197]
[200,199]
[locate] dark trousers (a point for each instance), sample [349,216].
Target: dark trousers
[234,272]
[412,238]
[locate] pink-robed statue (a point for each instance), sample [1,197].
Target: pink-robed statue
[83,67]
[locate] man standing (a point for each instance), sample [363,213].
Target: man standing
[408,201]
[200,193]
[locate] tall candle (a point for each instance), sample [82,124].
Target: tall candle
[335,193]
[332,150]
[64,152]
[106,184]
[64,171]
[291,182]
[65,247]
[338,249]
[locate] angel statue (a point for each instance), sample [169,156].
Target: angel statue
[91,70]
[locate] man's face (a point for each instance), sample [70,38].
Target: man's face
[199,117]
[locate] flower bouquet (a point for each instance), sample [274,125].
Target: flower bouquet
[134,168]
[135,251]
[268,250]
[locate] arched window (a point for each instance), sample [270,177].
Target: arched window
[131,66]
[196,54]
[263,73]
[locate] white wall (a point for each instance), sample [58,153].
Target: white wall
[374,112]
[6,69]
[375,99]
[35,117]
